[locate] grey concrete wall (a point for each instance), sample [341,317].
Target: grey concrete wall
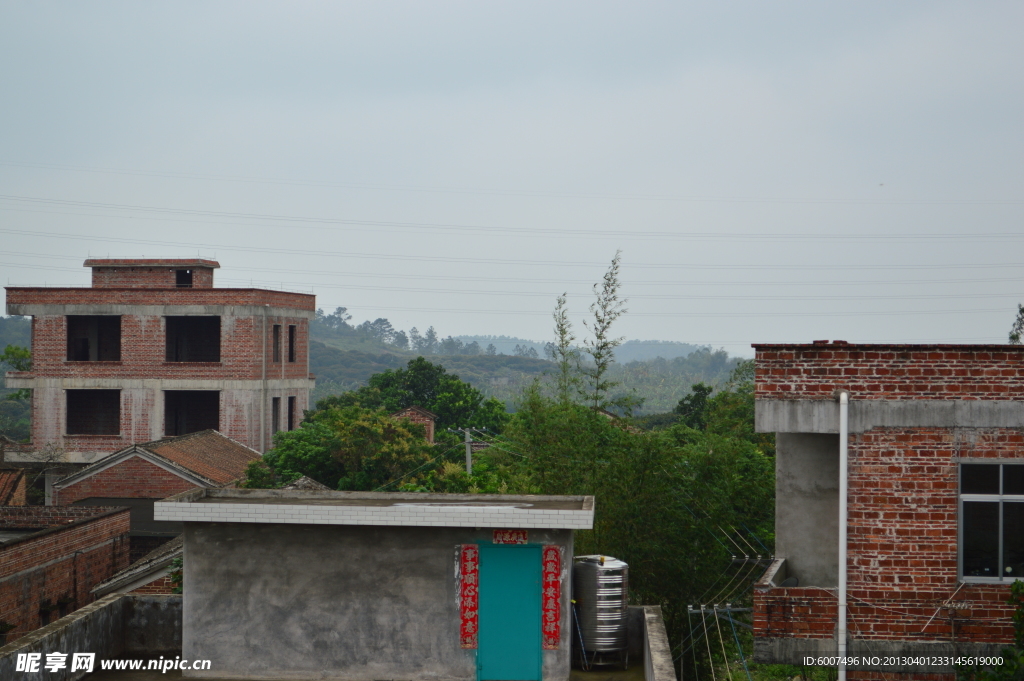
[152,625]
[658,665]
[96,628]
[335,602]
[822,416]
[807,506]
[115,627]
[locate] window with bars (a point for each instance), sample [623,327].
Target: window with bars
[992,521]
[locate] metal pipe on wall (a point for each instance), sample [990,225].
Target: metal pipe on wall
[844,436]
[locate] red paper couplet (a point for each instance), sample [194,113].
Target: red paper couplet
[551,593]
[510,536]
[469,595]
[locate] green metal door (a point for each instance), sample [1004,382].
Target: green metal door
[509,646]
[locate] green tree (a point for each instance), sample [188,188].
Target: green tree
[693,408]
[606,309]
[344,447]
[456,403]
[1018,326]
[564,353]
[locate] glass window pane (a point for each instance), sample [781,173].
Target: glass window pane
[1013,478]
[979,478]
[1013,539]
[981,538]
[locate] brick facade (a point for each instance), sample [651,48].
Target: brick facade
[903,500]
[246,375]
[133,478]
[48,573]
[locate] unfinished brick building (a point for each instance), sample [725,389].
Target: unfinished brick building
[935,500]
[153,350]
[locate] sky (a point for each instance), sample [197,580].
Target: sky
[771,172]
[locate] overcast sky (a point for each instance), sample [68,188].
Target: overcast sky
[771,172]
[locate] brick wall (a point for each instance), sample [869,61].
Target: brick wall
[875,372]
[132,478]
[161,585]
[903,493]
[148,277]
[56,569]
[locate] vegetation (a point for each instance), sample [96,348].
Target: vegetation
[1018,326]
[15,407]
[679,500]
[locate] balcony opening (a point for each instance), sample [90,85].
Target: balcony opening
[277,343]
[193,339]
[183,278]
[94,338]
[93,412]
[189,411]
[291,412]
[275,414]
[291,342]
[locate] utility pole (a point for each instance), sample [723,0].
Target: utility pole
[468,437]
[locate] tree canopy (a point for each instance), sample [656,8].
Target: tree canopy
[421,383]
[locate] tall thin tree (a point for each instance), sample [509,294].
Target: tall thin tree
[606,309]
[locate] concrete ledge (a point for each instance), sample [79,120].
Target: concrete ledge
[794,650]
[113,627]
[658,665]
[73,383]
[822,416]
[96,628]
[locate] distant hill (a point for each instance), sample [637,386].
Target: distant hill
[15,331]
[630,351]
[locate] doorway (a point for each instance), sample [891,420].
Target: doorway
[509,647]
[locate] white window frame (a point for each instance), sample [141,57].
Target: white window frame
[961,498]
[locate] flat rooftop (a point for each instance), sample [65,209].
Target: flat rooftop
[378,508]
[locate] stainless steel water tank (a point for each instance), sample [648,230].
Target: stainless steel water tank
[600,587]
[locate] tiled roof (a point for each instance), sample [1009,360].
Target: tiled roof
[306,484]
[153,563]
[208,453]
[415,408]
[9,481]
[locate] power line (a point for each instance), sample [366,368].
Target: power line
[511,192]
[183,214]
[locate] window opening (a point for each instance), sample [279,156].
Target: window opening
[992,520]
[193,339]
[93,412]
[291,342]
[291,412]
[94,338]
[183,278]
[275,414]
[189,411]
[277,342]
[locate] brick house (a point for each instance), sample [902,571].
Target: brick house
[419,416]
[935,500]
[50,559]
[140,474]
[153,350]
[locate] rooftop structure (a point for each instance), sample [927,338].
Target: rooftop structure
[151,349]
[934,519]
[380,585]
